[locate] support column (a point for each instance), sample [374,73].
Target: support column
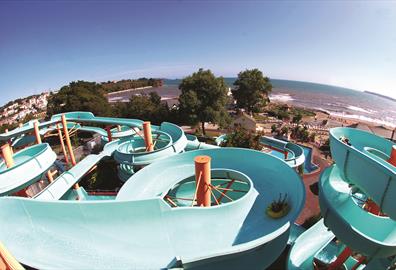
[68,144]
[62,144]
[109,137]
[372,207]
[341,258]
[148,139]
[7,155]
[37,132]
[9,142]
[203,180]
[392,159]
[50,175]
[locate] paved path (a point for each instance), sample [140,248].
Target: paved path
[312,201]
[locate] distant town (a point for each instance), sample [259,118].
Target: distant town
[34,106]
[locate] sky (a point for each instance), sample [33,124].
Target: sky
[46,44]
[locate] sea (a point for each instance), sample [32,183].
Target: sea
[337,101]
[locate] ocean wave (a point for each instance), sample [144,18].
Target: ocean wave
[358,109]
[281,97]
[365,119]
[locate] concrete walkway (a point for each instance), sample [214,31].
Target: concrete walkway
[312,201]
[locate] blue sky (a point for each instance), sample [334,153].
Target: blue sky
[44,44]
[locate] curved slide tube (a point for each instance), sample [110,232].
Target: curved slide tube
[296,155]
[307,245]
[139,225]
[363,164]
[371,235]
[194,144]
[30,164]
[59,187]
[175,139]
[80,117]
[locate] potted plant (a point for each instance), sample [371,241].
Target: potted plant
[278,208]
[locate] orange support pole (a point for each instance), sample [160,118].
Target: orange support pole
[203,180]
[109,133]
[50,176]
[285,153]
[68,144]
[9,142]
[37,132]
[62,143]
[67,138]
[148,139]
[7,260]
[342,257]
[7,155]
[392,159]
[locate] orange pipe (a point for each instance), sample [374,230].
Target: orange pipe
[392,159]
[9,142]
[277,149]
[203,180]
[341,258]
[225,190]
[7,155]
[148,139]
[50,176]
[67,138]
[37,132]
[69,146]
[109,134]
[62,143]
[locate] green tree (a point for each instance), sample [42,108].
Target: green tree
[284,130]
[273,128]
[203,99]
[144,107]
[241,137]
[297,118]
[79,96]
[252,89]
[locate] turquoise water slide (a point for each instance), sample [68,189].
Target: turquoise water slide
[141,230]
[307,246]
[371,235]
[295,157]
[364,164]
[175,142]
[20,136]
[29,165]
[170,140]
[361,172]
[58,188]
